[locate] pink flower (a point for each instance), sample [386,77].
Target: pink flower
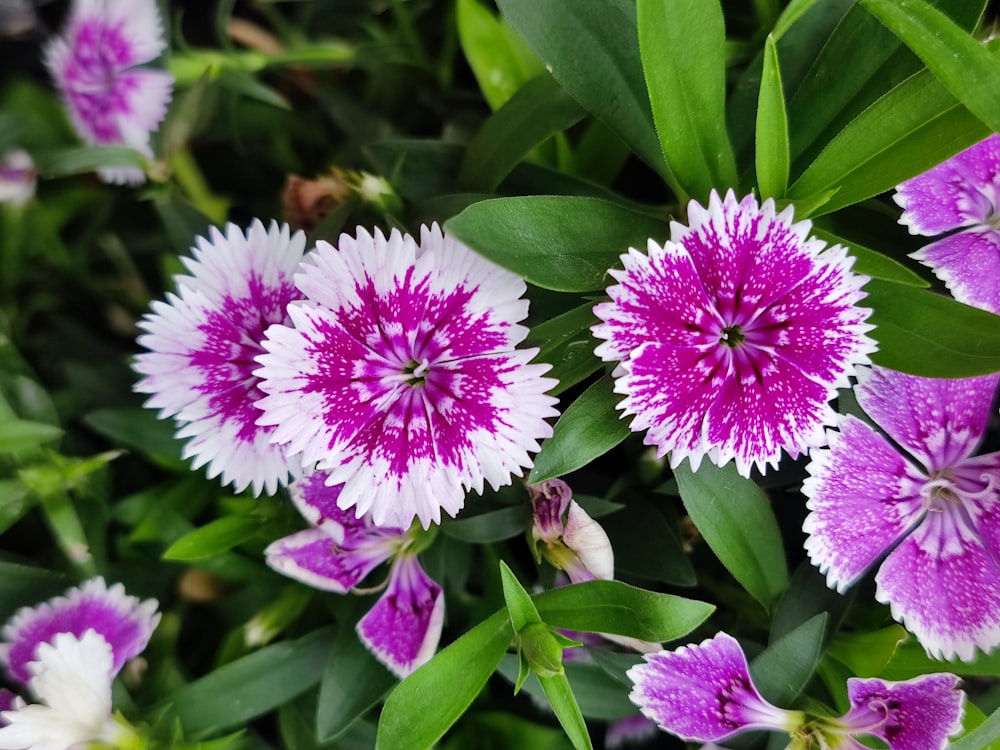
[398,375]
[733,337]
[95,65]
[202,343]
[566,536]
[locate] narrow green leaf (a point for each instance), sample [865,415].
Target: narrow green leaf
[923,333]
[20,434]
[735,518]
[593,53]
[23,585]
[783,669]
[423,707]
[81,159]
[494,526]
[561,243]
[682,44]
[563,702]
[537,111]
[957,59]
[590,427]
[139,428]
[772,128]
[519,605]
[565,342]
[981,736]
[910,660]
[15,502]
[808,595]
[214,538]
[653,551]
[871,263]
[867,653]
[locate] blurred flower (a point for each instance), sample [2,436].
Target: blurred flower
[307,202]
[94,63]
[963,191]
[733,336]
[400,377]
[202,343]
[935,508]
[632,730]
[704,693]
[402,629]
[17,177]
[566,536]
[71,679]
[124,622]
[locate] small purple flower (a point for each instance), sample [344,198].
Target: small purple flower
[733,337]
[566,536]
[124,622]
[960,193]
[400,377]
[94,64]
[202,342]
[704,693]
[17,177]
[935,508]
[403,628]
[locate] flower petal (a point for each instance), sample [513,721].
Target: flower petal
[313,557]
[969,265]
[402,630]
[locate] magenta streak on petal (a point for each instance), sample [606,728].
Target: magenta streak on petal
[968,263]
[549,502]
[403,628]
[313,557]
[317,502]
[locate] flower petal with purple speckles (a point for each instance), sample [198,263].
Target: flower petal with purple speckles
[733,337]
[92,63]
[400,378]
[402,630]
[918,714]
[123,621]
[968,263]
[961,191]
[704,692]
[317,501]
[202,343]
[314,558]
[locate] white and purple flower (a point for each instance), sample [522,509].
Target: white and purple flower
[338,552]
[95,64]
[17,177]
[202,343]
[960,193]
[704,693]
[733,337]
[565,535]
[919,493]
[398,375]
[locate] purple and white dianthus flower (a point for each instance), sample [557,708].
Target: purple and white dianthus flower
[961,193]
[705,693]
[338,552]
[95,64]
[564,534]
[202,343]
[399,378]
[918,492]
[734,335]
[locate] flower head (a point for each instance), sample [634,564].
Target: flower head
[733,336]
[403,628]
[202,343]
[566,536]
[399,376]
[960,193]
[122,621]
[94,64]
[935,508]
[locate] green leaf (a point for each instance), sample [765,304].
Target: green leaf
[214,538]
[981,736]
[736,520]
[505,730]
[81,159]
[600,696]
[957,59]
[772,128]
[615,607]
[353,683]
[923,333]
[422,707]
[563,702]
[593,53]
[650,548]
[590,427]
[139,428]
[682,44]
[20,434]
[254,685]
[560,243]
[15,502]
[565,342]
[910,660]
[486,528]
[808,595]
[871,263]
[539,110]
[782,670]
[23,585]
[867,653]
[519,605]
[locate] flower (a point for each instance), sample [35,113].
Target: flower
[960,193]
[17,177]
[71,677]
[403,628]
[705,693]
[202,343]
[94,65]
[123,622]
[935,507]
[399,377]
[734,335]
[578,544]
